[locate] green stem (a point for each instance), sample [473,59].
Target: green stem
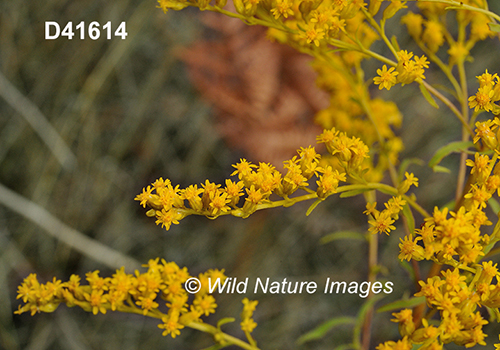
[225,337]
[466,130]
[251,20]
[206,328]
[444,68]
[372,276]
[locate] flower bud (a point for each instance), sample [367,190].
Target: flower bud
[374,7]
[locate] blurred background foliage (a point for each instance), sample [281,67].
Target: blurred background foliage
[129,114]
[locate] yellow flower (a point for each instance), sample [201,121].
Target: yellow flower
[405,185]
[410,249]
[145,196]
[329,182]
[480,29]
[219,202]
[243,168]
[205,304]
[405,320]
[282,8]
[147,303]
[484,131]
[171,326]
[167,218]
[433,35]
[480,167]
[413,24]
[248,325]
[482,99]
[382,223]
[234,191]
[458,52]
[313,34]
[487,79]
[97,301]
[191,194]
[386,78]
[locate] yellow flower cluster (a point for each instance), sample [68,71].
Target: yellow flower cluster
[133,293]
[354,112]
[382,221]
[487,94]
[457,299]
[457,302]
[301,22]
[247,322]
[256,184]
[407,71]
[455,239]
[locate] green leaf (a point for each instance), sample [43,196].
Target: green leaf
[492,253]
[440,169]
[314,205]
[320,331]
[360,319]
[494,27]
[409,217]
[402,304]
[225,320]
[428,96]
[457,146]
[389,191]
[353,193]
[394,42]
[495,206]
[342,235]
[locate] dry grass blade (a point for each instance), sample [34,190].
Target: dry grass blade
[38,122]
[78,241]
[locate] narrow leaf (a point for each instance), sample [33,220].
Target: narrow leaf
[353,193]
[402,304]
[224,321]
[360,319]
[394,42]
[492,253]
[494,27]
[342,235]
[313,206]
[409,217]
[458,146]
[440,169]
[390,192]
[428,96]
[495,206]
[320,331]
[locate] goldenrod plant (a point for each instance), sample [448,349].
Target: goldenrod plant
[357,154]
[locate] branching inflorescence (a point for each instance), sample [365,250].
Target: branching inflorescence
[362,150]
